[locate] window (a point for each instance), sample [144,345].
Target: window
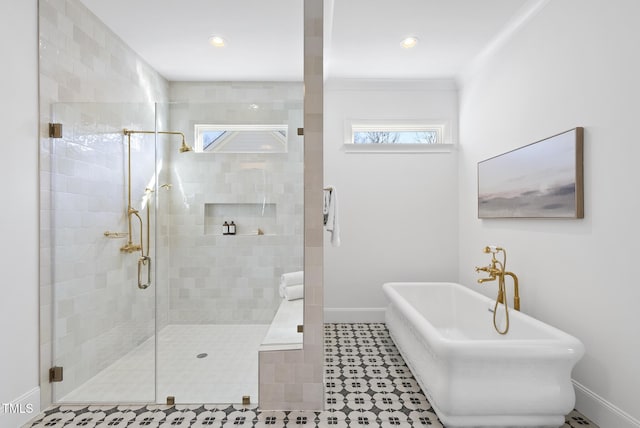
[396,136]
[386,136]
[241,138]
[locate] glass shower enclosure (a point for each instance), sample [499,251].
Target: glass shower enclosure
[153,299]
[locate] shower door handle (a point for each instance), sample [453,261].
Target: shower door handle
[144,261]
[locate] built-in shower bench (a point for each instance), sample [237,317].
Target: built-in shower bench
[283,331]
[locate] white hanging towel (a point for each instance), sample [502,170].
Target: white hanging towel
[330,212]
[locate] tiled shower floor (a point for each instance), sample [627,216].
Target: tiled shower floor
[369,388]
[231,364]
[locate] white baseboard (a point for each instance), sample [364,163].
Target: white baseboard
[600,411]
[354,314]
[21,410]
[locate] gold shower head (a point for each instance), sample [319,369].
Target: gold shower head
[184,147]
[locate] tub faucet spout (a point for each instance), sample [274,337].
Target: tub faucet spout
[491,270]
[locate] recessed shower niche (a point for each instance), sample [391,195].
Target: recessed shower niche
[256,219]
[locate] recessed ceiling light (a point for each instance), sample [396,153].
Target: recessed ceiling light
[217,41]
[409,42]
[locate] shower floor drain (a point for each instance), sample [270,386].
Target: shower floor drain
[203,355]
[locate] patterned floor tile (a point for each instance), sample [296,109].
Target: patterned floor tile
[367,385]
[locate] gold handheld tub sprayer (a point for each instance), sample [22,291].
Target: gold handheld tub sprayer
[130,247]
[497,270]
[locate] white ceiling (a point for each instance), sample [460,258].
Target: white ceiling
[362,37]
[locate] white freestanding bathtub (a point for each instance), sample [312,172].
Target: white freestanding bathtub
[473,376]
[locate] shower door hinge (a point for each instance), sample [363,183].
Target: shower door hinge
[300,131]
[55,130]
[55,374]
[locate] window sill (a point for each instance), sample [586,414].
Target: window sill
[398,148]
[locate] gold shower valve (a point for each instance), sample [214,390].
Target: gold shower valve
[130,248]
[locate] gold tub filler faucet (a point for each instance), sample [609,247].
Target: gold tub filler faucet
[497,270]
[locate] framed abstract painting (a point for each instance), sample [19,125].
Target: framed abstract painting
[541,180]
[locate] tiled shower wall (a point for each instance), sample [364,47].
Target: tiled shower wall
[234,279]
[88,81]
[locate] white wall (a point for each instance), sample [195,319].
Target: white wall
[19,216]
[398,218]
[574,64]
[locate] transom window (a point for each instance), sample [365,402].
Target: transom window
[241,138]
[389,136]
[395,136]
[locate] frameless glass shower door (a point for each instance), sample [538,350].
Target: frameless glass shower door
[101,240]
[151,297]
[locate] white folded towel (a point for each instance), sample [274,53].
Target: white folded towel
[290,278]
[330,212]
[294,292]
